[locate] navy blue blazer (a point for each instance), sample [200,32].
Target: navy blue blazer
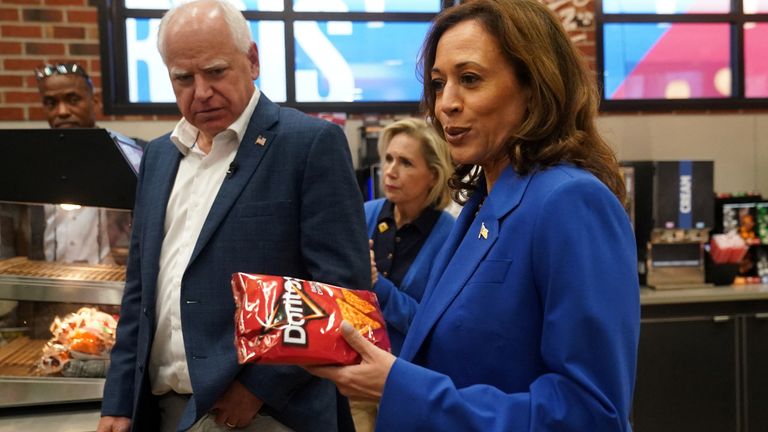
[531,318]
[399,303]
[292,207]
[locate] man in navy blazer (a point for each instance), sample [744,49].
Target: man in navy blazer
[239,185]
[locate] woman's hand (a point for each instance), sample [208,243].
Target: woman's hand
[374,270]
[361,381]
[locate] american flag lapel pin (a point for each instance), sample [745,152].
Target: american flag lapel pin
[260,140]
[483,232]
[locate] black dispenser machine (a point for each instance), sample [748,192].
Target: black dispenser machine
[672,208]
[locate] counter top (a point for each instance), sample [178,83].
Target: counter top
[61,418]
[704,294]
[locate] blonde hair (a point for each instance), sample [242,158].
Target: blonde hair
[435,152]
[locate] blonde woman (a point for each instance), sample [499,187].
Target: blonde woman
[409,225]
[407,228]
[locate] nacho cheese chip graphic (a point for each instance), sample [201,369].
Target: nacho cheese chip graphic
[358,319]
[359,304]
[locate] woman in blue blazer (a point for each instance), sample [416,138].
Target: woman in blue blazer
[530,319]
[407,228]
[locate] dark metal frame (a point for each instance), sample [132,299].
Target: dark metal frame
[736,19]
[112,15]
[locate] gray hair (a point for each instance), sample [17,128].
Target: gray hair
[238,26]
[435,152]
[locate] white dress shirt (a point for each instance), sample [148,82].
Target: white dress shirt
[197,182]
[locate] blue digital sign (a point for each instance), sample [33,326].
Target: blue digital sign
[328,52]
[148,77]
[347,61]
[336,61]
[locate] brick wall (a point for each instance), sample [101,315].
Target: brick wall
[34,32]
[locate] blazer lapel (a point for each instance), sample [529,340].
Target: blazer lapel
[155,205]
[256,141]
[474,242]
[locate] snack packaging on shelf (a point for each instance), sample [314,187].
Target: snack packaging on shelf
[84,339]
[727,248]
[285,320]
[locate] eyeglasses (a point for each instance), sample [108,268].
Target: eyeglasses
[62,69]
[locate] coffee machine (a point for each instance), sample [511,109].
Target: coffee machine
[672,208]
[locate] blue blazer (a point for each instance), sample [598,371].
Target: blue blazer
[292,207]
[531,317]
[398,304]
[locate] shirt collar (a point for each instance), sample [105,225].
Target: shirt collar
[184,135]
[387,213]
[423,223]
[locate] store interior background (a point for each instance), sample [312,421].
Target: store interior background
[702,353]
[38,31]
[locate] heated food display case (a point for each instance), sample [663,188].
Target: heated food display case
[33,295]
[57,317]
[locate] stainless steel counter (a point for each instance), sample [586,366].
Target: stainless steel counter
[65,418]
[703,294]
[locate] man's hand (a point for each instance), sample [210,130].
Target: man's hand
[114,424]
[361,381]
[236,407]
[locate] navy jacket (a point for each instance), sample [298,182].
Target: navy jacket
[292,207]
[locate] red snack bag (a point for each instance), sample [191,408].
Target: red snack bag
[284,320]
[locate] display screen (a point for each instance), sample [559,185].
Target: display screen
[342,61]
[666,6]
[336,61]
[254,5]
[667,60]
[314,55]
[366,5]
[148,77]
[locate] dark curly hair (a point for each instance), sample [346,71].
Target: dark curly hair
[559,125]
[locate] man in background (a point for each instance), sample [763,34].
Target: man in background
[68,97]
[74,234]
[240,185]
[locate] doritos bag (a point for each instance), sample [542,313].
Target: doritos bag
[285,320]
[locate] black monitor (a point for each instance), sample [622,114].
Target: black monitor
[90,167]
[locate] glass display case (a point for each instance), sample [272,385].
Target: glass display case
[65,221]
[44,308]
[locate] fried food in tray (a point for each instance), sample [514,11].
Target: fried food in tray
[80,344]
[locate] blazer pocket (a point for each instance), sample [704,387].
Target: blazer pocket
[491,271]
[263,209]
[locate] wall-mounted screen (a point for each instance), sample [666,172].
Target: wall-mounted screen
[681,54]
[316,55]
[366,5]
[343,61]
[254,5]
[148,77]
